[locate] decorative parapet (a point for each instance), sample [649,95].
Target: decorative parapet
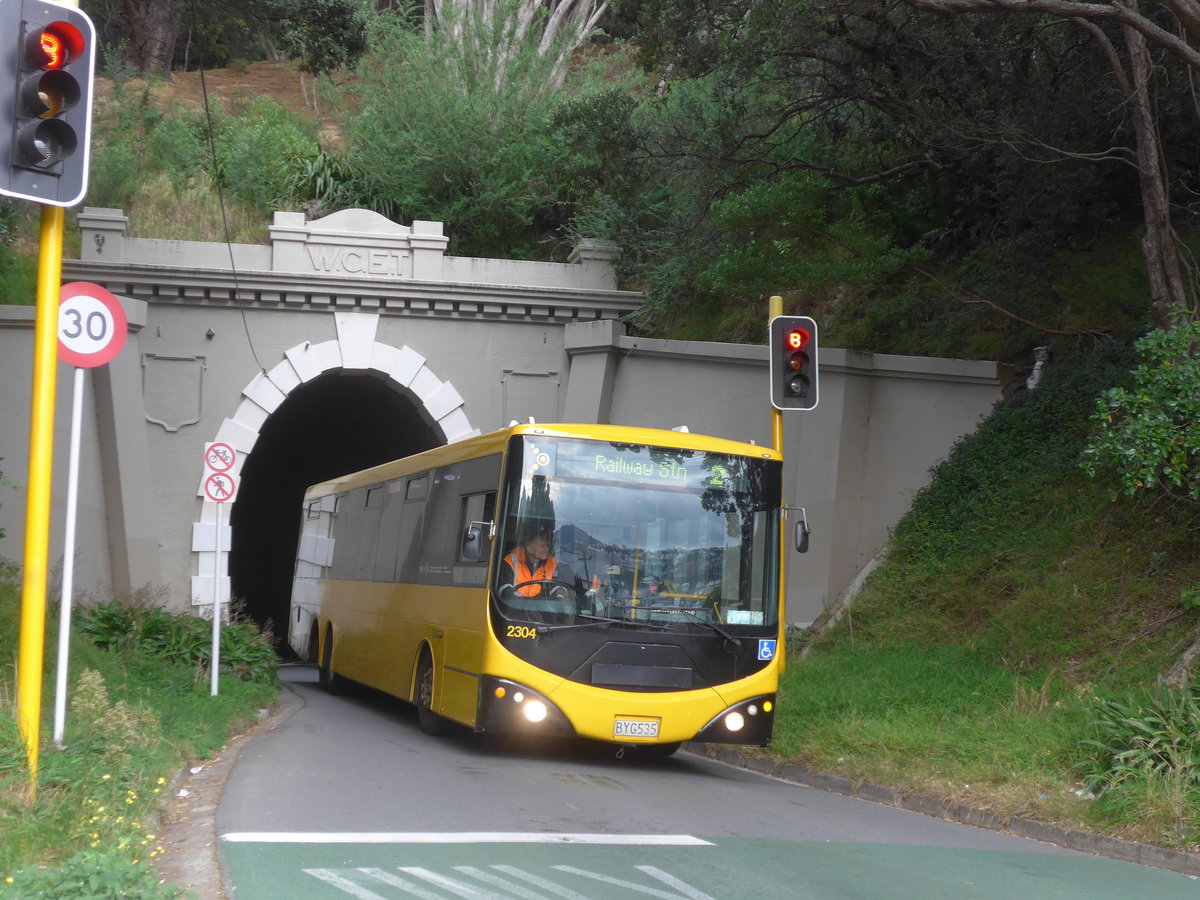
[350,260]
[357,242]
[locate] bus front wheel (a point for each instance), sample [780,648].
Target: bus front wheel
[429,721]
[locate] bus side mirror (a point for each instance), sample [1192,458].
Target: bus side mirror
[472,542]
[802,532]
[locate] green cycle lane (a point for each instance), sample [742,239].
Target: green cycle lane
[605,867]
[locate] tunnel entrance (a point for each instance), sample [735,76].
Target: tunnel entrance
[334,424]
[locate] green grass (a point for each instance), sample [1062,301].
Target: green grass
[136,717]
[938,719]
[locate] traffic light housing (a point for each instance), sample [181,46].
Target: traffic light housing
[47,63]
[793,354]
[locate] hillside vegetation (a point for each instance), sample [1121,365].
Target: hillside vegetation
[1009,652]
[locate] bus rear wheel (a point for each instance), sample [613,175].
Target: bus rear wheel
[314,641]
[429,721]
[330,680]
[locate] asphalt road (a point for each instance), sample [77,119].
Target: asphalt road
[348,798]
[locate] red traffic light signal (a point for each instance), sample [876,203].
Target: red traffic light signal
[46,71]
[792,344]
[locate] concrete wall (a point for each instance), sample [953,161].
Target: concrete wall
[213,351]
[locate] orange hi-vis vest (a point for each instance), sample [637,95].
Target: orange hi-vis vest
[522,572]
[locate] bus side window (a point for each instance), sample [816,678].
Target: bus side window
[475,527]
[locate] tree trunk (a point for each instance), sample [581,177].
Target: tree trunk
[153,25]
[1163,265]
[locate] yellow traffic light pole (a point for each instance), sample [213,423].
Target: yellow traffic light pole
[774,309]
[75,34]
[31,651]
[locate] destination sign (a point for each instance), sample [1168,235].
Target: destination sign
[635,464]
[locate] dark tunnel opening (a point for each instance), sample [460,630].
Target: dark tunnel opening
[332,425]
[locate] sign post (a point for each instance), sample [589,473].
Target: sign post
[91,332]
[219,487]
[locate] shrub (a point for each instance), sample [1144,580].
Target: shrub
[246,652]
[1145,753]
[439,134]
[1147,435]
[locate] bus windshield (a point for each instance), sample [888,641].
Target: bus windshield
[594,532]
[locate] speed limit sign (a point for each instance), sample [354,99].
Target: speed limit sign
[91,325]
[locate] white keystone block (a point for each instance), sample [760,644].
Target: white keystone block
[356,336]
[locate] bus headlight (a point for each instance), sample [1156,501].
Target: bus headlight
[508,706]
[535,710]
[747,722]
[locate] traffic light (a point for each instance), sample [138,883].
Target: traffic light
[793,354]
[47,59]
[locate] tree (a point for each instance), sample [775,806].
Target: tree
[153,27]
[1014,124]
[323,34]
[1135,74]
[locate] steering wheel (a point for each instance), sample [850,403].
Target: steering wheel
[555,589]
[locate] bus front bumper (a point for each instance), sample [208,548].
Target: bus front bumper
[509,707]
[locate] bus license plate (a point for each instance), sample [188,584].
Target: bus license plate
[635,728]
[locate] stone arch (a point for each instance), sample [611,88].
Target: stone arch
[355,349]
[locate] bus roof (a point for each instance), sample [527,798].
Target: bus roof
[496,441]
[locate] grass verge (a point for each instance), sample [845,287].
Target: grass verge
[136,716]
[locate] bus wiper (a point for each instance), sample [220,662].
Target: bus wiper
[730,640]
[733,643]
[595,620]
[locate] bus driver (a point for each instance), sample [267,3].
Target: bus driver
[532,571]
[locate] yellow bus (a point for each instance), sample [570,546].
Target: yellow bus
[603,582]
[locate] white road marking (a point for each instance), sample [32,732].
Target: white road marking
[458,888]
[461,837]
[339,878]
[496,881]
[629,885]
[404,884]
[343,884]
[667,878]
[536,880]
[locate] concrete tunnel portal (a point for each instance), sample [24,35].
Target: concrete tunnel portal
[334,424]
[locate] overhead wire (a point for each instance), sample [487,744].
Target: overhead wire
[212,148]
